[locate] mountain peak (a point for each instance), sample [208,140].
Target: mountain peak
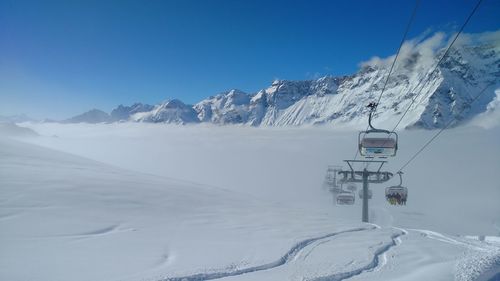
[91,116]
[169,111]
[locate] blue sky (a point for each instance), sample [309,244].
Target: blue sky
[60,58]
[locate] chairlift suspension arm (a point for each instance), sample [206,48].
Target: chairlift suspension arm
[400,178]
[373,107]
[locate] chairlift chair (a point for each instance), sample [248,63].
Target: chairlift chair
[370,194]
[345,198]
[401,190]
[352,187]
[330,180]
[335,189]
[397,190]
[377,143]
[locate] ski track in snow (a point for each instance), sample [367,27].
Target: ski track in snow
[289,256]
[378,261]
[446,239]
[482,261]
[383,256]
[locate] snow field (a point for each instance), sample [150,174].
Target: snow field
[117,212]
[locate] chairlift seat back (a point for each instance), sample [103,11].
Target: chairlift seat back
[378,143]
[335,189]
[345,198]
[396,189]
[378,147]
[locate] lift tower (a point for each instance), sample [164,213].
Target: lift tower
[365,177]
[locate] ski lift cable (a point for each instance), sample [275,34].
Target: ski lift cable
[417,2]
[445,127]
[408,25]
[438,63]
[436,67]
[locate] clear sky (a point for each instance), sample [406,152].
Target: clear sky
[60,58]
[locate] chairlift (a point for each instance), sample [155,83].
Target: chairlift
[335,189]
[352,187]
[338,188]
[397,194]
[377,143]
[370,194]
[345,198]
[330,180]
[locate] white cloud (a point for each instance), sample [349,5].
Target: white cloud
[423,49]
[491,117]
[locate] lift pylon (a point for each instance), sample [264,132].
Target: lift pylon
[365,176]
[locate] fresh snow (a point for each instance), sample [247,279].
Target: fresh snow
[138,201]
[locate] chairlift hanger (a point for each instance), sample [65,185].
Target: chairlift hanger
[377,147]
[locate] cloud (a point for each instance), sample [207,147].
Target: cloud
[491,117]
[489,37]
[423,49]
[314,75]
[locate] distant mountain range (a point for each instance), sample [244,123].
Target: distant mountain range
[439,96]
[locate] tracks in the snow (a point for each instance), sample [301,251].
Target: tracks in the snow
[288,256]
[375,262]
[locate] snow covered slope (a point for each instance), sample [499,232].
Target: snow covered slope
[64,217]
[287,166]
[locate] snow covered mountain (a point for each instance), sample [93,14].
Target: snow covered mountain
[171,111]
[224,108]
[123,113]
[440,94]
[92,116]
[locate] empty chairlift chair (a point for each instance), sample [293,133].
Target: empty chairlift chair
[331,181]
[377,143]
[370,194]
[352,187]
[345,198]
[397,194]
